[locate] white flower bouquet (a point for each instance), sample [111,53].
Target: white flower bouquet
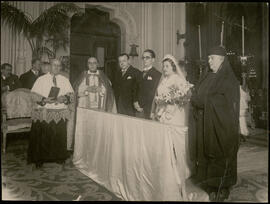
[175,97]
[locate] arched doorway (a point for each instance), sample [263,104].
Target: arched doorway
[93,34]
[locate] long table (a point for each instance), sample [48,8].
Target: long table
[136,159]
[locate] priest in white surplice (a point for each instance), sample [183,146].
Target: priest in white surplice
[48,136]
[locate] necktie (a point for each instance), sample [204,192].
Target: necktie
[54,80]
[123,71]
[144,73]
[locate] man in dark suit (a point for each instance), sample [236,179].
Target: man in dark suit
[9,81]
[126,85]
[148,85]
[29,78]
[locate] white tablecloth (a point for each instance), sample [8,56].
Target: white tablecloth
[136,159]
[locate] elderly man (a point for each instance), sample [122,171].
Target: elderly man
[9,81]
[215,103]
[53,94]
[28,79]
[148,85]
[126,86]
[93,89]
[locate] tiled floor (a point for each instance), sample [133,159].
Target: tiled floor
[252,166]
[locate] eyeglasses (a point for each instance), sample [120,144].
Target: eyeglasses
[146,57]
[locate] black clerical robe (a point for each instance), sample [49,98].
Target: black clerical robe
[215,126]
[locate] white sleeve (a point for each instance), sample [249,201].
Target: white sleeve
[36,86]
[67,87]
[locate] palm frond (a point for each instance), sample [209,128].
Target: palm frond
[39,51]
[16,19]
[54,19]
[53,23]
[58,41]
[66,7]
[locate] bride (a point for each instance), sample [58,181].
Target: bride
[171,102]
[170,106]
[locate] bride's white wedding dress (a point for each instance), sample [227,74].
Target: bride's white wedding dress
[177,119]
[165,111]
[172,113]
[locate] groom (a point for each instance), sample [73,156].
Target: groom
[147,86]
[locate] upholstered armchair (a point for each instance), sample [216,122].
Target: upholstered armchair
[16,112]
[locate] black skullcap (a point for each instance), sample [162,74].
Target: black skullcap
[217,51]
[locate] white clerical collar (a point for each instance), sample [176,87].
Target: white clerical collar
[147,69]
[3,77]
[51,74]
[88,72]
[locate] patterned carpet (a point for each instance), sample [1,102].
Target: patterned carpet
[55,182]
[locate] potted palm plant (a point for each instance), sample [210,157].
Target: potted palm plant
[49,28]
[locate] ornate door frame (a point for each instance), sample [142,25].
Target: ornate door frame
[120,16]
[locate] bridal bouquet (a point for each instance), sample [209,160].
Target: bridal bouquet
[176,95]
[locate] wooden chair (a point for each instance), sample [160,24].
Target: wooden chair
[16,113]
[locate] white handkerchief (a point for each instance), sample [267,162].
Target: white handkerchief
[129,77]
[149,78]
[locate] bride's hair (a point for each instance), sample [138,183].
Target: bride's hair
[177,68]
[171,62]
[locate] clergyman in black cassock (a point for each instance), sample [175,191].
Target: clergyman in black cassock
[215,118]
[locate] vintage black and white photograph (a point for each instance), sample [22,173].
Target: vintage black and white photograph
[134,101]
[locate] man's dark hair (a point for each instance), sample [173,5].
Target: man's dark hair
[34,60]
[3,66]
[153,55]
[124,54]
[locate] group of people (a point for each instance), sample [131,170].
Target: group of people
[10,82]
[210,110]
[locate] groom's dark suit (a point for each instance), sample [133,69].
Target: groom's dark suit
[125,90]
[147,89]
